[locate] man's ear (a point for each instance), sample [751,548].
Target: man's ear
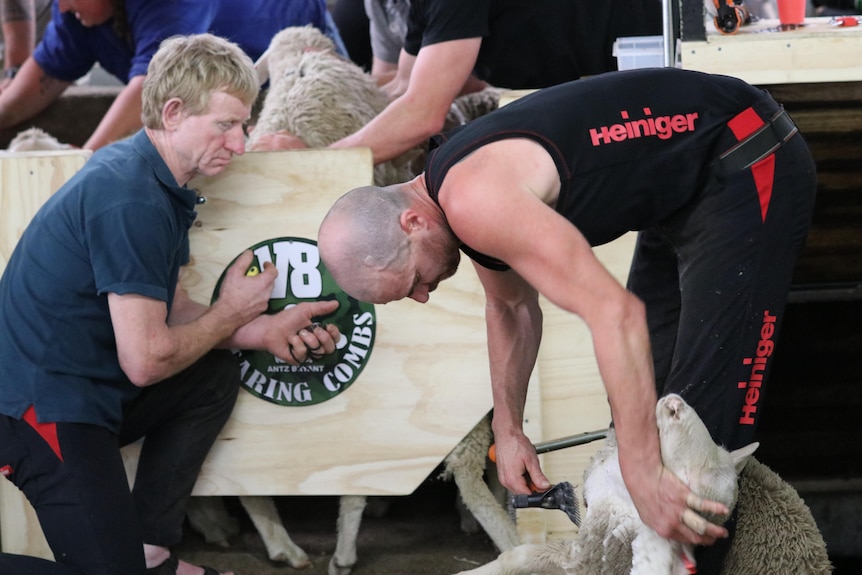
[172,113]
[411,220]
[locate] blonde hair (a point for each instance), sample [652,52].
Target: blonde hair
[191,68]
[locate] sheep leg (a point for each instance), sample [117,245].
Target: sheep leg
[466,464]
[209,517]
[485,507]
[279,545]
[350,510]
[527,559]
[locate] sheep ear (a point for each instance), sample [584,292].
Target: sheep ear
[262,67]
[740,456]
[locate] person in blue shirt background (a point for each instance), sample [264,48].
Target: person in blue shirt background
[122,36]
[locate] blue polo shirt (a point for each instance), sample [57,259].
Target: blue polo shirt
[120,225]
[68,50]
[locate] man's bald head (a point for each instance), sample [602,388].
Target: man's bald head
[361,238]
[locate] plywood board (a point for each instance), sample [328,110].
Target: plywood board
[425,386]
[760,54]
[417,398]
[509,96]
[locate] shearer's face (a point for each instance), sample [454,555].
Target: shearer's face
[433,260]
[88,12]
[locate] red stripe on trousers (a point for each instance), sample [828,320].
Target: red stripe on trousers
[743,125]
[48,431]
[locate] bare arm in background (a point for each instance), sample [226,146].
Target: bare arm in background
[122,118]
[436,77]
[18,19]
[30,92]
[382,71]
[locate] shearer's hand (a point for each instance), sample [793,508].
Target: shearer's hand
[518,465]
[668,506]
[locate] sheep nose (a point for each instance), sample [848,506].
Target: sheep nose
[673,404]
[670,405]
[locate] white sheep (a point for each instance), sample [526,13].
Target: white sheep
[209,517]
[319,96]
[466,464]
[775,530]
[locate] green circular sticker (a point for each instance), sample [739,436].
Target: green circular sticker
[303,277]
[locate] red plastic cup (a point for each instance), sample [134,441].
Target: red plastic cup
[791,12]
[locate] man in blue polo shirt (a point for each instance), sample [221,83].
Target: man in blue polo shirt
[99,346]
[122,36]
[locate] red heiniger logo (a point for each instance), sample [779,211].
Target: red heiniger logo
[662,127]
[764,351]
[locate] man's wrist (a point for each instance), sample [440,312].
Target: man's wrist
[11,72]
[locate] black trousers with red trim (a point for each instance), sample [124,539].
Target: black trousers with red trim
[93,522]
[714,278]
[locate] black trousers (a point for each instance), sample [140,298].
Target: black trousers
[93,522]
[714,279]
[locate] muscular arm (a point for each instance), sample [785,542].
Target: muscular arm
[29,93]
[436,78]
[514,331]
[122,118]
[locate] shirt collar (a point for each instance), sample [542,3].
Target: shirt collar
[142,144]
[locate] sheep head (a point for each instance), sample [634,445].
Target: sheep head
[688,450]
[286,49]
